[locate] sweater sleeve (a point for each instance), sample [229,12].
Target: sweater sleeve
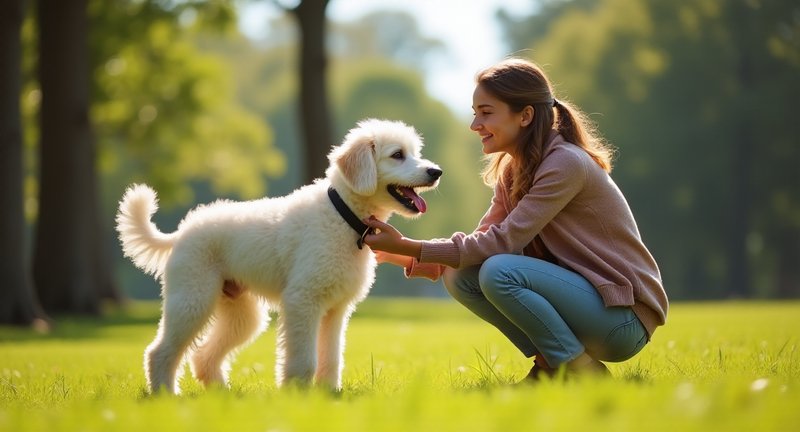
[558,180]
[430,271]
[445,252]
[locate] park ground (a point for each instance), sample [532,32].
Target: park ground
[416,365]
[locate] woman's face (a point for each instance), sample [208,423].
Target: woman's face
[494,121]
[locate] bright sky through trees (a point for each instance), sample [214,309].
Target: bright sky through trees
[468,29]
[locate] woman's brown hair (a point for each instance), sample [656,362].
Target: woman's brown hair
[520,83]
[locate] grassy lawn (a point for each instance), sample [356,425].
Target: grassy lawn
[414,365]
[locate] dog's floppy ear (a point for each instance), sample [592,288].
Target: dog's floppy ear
[355,159]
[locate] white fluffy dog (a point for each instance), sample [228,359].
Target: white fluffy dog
[295,254]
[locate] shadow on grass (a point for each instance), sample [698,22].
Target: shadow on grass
[73,327]
[147,313]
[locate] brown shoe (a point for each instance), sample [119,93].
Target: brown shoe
[600,368]
[594,367]
[537,373]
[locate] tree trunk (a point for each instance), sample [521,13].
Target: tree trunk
[741,159]
[70,271]
[18,302]
[315,123]
[788,257]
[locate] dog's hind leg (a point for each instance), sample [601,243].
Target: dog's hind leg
[235,323]
[330,347]
[186,311]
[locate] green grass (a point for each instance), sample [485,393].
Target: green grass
[417,365]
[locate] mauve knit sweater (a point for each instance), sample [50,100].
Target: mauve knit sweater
[575,216]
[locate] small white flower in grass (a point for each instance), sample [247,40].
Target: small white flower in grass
[692,402]
[684,391]
[671,344]
[759,384]
[9,373]
[109,415]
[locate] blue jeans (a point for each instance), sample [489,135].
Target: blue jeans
[546,310]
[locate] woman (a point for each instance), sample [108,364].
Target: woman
[556,263]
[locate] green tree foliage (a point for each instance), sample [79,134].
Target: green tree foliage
[697,96]
[267,85]
[388,35]
[162,111]
[166,113]
[171,109]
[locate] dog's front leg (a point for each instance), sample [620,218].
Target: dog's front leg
[297,340]
[330,347]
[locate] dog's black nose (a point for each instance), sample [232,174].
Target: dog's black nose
[435,173]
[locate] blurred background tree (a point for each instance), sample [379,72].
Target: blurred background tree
[18,301]
[314,119]
[70,269]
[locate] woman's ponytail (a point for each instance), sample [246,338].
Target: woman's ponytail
[578,129]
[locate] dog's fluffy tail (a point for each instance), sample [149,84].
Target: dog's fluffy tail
[142,242]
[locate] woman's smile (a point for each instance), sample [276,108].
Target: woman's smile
[495,123]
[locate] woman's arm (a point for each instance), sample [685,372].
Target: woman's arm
[390,242]
[388,239]
[559,178]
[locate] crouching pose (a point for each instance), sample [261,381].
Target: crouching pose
[556,263]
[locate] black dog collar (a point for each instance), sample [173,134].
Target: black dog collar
[344,211]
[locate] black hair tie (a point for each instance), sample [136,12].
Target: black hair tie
[555,103]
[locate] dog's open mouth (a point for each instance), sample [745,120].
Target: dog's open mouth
[408,197]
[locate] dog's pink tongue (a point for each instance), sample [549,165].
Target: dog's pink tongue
[418,201]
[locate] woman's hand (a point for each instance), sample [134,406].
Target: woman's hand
[388,239]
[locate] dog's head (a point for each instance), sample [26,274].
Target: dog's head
[381,159]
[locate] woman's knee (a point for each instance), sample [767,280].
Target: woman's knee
[492,270]
[461,283]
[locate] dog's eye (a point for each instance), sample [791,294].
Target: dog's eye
[398,155]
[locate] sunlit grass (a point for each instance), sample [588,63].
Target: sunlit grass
[417,365]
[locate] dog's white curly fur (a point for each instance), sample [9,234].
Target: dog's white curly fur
[294,254]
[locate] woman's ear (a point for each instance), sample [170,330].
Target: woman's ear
[527,116]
